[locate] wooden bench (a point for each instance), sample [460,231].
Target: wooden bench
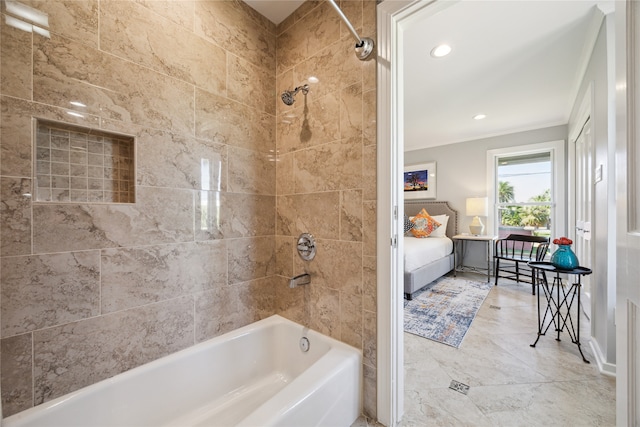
[516,249]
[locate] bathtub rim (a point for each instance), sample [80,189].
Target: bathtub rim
[273,320]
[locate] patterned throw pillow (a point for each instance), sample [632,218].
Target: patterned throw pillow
[408,225]
[423,224]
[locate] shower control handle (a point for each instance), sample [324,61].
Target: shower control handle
[306,246]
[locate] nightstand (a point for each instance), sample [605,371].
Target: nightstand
[459,241]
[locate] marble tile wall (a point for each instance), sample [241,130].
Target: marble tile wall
[91,290]
[226,179]
[326,177]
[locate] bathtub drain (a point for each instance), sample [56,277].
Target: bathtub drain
[304,344]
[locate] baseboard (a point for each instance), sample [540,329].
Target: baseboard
[604,367]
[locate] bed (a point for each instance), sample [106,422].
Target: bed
[427,259]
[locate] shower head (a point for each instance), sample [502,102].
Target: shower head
[288,95]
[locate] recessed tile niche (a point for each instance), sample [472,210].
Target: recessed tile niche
[78,164]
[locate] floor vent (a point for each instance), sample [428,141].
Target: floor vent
[495,307]
[459,387]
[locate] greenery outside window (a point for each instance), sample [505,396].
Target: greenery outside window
[524,194]
[526,190]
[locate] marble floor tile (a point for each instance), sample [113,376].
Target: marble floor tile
[441,407]
[511,383]
[571,403]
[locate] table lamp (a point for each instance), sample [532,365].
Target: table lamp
[476,207]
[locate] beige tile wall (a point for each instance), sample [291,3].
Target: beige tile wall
[224,185]
[326,177]
[91,290]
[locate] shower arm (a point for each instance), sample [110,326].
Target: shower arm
[303,88]
[364,47]
[346,22]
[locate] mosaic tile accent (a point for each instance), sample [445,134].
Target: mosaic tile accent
[75,164]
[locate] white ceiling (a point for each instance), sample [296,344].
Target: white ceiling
[517,61]
[275,10]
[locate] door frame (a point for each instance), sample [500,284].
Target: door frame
[585,112]
[627,210]
[392,17]
[575,128]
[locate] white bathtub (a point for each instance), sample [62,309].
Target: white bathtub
[254,376]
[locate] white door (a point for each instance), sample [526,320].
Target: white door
[584,207]
[628,213]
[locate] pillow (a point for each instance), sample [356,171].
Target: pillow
[423,224]
[442,230]
[408,225]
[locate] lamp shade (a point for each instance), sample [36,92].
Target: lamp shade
[477,206]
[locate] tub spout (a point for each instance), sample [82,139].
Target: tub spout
[299,280]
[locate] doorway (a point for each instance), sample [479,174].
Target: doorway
[392,19]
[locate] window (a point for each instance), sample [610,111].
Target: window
[524,194]
[527,190]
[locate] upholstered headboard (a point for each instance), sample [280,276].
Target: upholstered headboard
[413,207]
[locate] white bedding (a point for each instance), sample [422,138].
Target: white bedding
[419,252]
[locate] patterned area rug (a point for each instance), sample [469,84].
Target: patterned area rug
[444,310]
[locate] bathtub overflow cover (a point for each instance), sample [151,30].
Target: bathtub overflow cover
[304,344]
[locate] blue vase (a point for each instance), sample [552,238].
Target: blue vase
[564,258]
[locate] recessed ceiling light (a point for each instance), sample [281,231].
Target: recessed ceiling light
[313,79]
[479,116]
[441,50]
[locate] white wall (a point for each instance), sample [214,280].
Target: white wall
[462,171]
[603,287]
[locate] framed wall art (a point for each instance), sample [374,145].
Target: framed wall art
[420,181]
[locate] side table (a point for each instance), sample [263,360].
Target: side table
[558,310]
[461,239]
